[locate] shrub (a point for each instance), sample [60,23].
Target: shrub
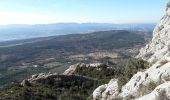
[131,68]
[163,62]
[121,81]
[148,88]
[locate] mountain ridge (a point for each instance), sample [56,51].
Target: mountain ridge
[15,32]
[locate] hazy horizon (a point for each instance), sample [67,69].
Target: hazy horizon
[76,11]
[77,23]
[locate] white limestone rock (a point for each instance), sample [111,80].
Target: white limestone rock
[160,45]
[97,94]
[140,82]
[72,68]
[157,53]
[111,90]
[138,85]
[40,76]
[162,92]
[107,91]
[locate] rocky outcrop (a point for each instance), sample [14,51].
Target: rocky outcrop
[144,82]
[51,78]
[162,92]
[154,82]
[72,68]
[41,77]
[97,94]
[140,84]
[106,91]
[159,47]
[37,77]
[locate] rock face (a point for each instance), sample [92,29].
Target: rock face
[154,82]
[72,68]
[106,91]
[162,92]
[41,76]
[159,47]
[143,82]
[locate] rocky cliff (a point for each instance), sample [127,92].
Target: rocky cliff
[159,47]
[152,83]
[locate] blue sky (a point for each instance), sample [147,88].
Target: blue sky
[100,11]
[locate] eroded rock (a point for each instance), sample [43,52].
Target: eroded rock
[106,91]
[162,92]
[159,47]
[72,68]
[154,82]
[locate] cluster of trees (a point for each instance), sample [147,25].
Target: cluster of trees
[56,88]
[123,72]
[102,73]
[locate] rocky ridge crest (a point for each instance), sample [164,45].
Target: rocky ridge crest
[159,47]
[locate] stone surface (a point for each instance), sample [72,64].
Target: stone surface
[41,76]
[162,92]
[159,47]
[154,82]
[106,91]
[141,82]
[97,94]
[25,83]
[72,68]
[138,85]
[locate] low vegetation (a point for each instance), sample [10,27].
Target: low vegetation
[131,68]
[60,48]
[163,62]
[14,75]
[60,88]
[123,72]
[18,63]
[75,87]
[148,88]
[101,73]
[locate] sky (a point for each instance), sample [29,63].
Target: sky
[80,11]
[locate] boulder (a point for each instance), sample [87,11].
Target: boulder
[109,90]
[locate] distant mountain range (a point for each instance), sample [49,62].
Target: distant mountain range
[18,32]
